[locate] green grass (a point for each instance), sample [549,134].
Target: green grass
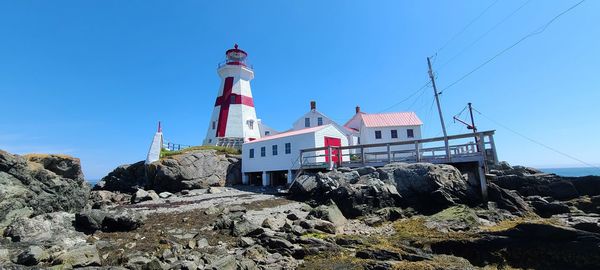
[220,149]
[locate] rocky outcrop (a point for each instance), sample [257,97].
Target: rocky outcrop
[36,184]
[190,170]
[426,187]
[193,170]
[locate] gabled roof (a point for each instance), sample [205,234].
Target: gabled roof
[290,133]
[391,119]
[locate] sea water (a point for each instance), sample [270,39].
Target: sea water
[582,171]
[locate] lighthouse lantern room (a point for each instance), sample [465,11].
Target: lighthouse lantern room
[233,120]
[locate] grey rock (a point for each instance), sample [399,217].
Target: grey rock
[102,199]
[508,200]
[89,221]
[122,221]
[142,195]
[165,194]
[37,184]
[227,262]
[55,228]
[329,212]
[244,228]
[126,178]
[246,242]
[81,256]
[213,190]
[275,222]
[32,256]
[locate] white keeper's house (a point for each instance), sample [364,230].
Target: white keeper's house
[274,160]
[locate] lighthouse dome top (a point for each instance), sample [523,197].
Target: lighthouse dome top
[236,56]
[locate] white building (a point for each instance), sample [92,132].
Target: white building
[273,160]
[386,128]
[233,119]
[314,118]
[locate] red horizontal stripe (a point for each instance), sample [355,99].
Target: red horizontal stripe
[237,99]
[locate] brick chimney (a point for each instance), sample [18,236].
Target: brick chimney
[313,105]
[357,109]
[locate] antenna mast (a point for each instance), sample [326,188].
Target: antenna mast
[437,100]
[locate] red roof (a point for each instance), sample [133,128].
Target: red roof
[289,133]
[391,119]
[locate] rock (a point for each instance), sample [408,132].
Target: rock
[546,209]
[213,190]
[275,222]
[279,245]
[32,256]
[126,178]
[236,208]
[313,186]
[89,221]
[165,194]
[244,228]
[246,242]
[321,225]
[508,200]
[390,213]
[329,212]
[122,221]
[201,243]
[37,184]
[194,170]
[456,218]
[225,263]
[82,256]
[142,195]
[53,228]
[530,246]
[101,199]
[362,199]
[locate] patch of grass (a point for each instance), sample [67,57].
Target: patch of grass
[220,149]
[414,229]
[511,223]
[330,260]
[316,235]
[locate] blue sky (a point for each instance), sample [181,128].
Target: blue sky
[92,78]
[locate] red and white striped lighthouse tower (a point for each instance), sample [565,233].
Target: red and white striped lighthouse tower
[233,120]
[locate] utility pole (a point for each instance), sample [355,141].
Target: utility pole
[437,100]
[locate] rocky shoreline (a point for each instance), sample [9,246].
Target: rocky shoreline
[186,212]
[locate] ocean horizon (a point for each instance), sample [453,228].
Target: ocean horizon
[572,171]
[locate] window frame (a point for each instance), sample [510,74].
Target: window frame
[394,133]
[319,121]
[263,151]
[288,148]
[251,153]
[378,134]
[274,150]
[410,133]
[307,122]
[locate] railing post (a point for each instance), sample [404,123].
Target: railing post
[389,152]
[481,146]
[418,151]
[301,158]
[362,155]
[493,146]
[330,156]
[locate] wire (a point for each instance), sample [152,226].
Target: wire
[408,97]
[465,27]
[536,32]
[536,142]
[484,34]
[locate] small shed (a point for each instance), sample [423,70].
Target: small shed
[274,160]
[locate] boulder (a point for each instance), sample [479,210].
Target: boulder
[53,228]
[315,187]
[80,256]
[36,184]
[244,227]
[547,209]
[508,200]
[361,199]
[102,199]
[329,212]
[32,256]
[126,178]
[89,221]
[142,195]
[122,221]
[194,170]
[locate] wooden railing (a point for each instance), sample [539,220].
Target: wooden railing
[433,150]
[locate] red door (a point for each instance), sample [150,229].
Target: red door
[334,152]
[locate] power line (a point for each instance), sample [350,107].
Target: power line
[465,27]
[536,32]
[408,97]
[538,143]
[484,34]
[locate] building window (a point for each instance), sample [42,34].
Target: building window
[288,148]
[251,153]
[263,151]
[306,122]
[377,134]
[267,133]
[209,140]
[214,124]
[274,150]
[250,124]
[394,134]
[320,121]
[410,133]
[358,141]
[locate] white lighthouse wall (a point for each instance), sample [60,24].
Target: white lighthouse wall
[211,133]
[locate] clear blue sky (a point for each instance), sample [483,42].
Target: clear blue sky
[92,78]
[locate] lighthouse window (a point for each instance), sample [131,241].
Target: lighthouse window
[213,124]
[232,100]
[410,133]
[250,124]
[394,134]
[263,151]
[307,122]
[274,150]
[288,148]
[377,134]
[252,153]
[320,121]
[267,133]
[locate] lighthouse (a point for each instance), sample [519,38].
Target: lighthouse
[233,120]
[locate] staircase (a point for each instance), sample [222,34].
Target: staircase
[230,142]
